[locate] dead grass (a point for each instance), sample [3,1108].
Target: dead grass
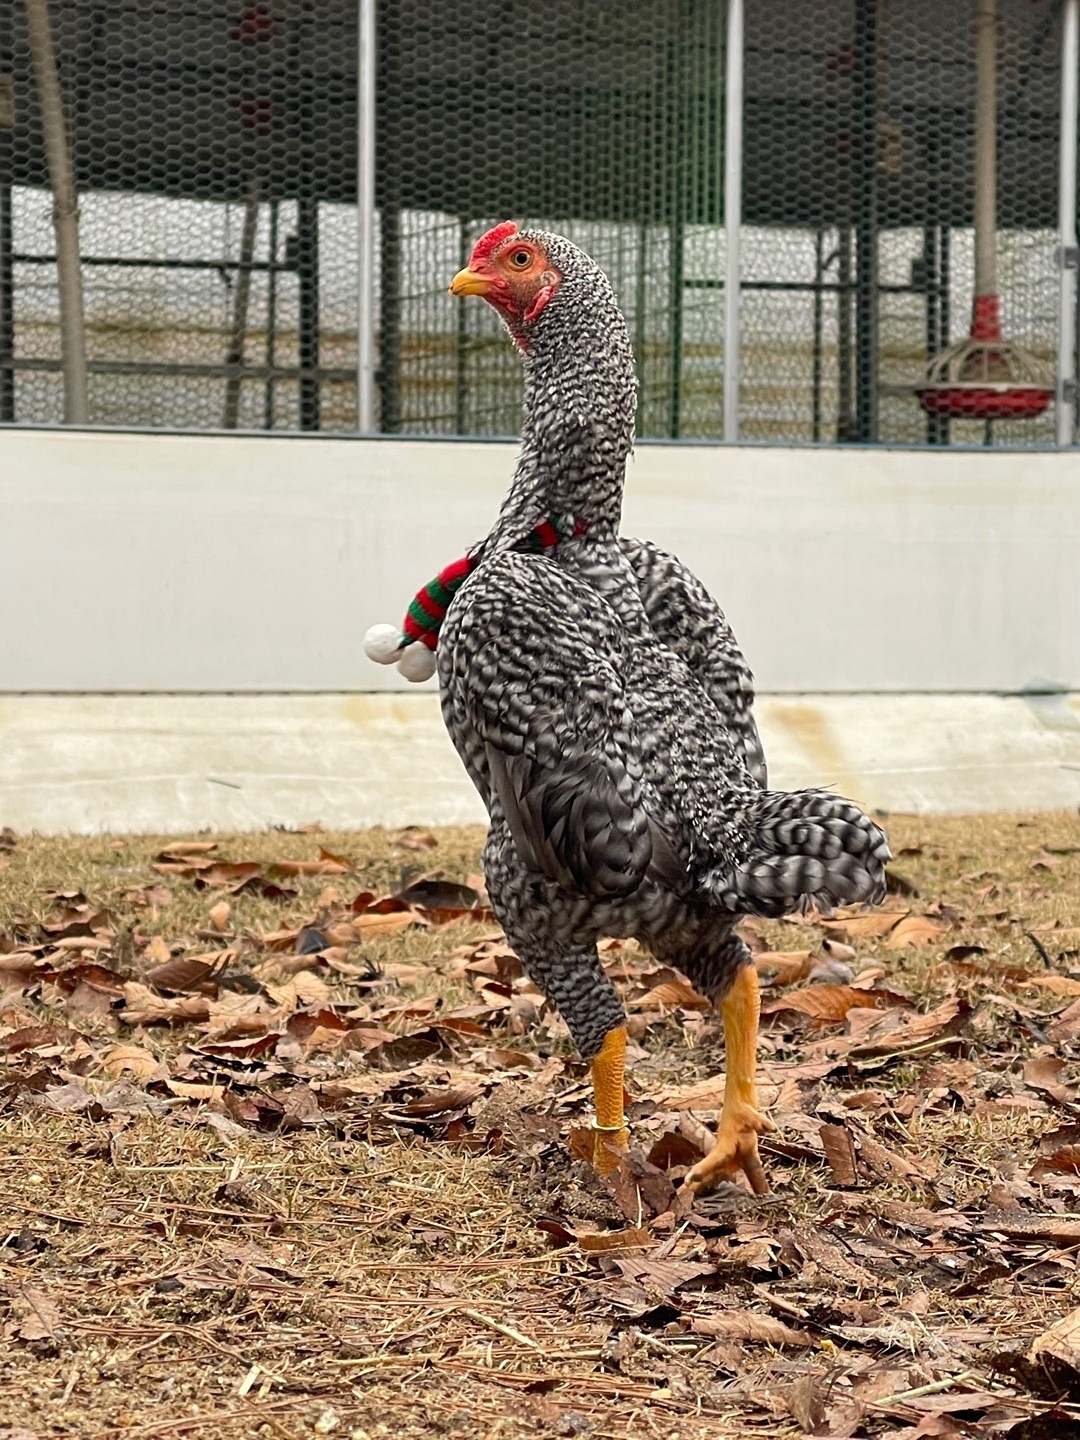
[263,1225]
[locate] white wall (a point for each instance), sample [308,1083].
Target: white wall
[213,563]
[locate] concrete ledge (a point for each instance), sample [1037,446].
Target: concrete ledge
[174,763]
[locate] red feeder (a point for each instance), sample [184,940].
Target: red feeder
[985,377]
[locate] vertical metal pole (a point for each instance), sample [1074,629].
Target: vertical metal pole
[931,284]
[307,266]
[639,327]
[461,335]
[271,317]
[390,317]
[7,296]
[7,268]
[234,355]
[945,268]
[365,218]
[676,300]
[845,410]
[985,152]
[733,162]
[866,236]
[676,231]
[65,211]
[815,381]
[1065,420]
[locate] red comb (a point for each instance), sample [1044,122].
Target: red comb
[489,243]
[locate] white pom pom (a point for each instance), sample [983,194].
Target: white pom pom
[417,663]
[382,643]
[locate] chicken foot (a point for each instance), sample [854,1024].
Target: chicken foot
[741,1122]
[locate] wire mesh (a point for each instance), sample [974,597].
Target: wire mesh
[215,155]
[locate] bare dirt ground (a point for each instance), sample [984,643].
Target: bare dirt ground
[286,1148]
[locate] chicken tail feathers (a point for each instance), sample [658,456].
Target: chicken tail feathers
[810,849]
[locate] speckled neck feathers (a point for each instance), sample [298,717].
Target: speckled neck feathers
[580,395]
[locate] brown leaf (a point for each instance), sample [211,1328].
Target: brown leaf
[183,973]
[440,895]
[916,930]
[671,995]
[219,914]
[672,1149]
[441,1099]
[900,1032]
[157,950]
[1066,1028]
[143,1007]
[864,927]
[1057,1351]
[130,1057]
[260,885]
[888,1165]
[1059,1153]
[828,1004]
[604,1241]
[839,1152]
[189,847]
[806,1401]
[33,1037]
[406,1050]
[284,869]
[194,1090]
[784,967]
[40,1317]
[1054,984]
[1043,1073]
[746,1325]
[707,1094]
[1057,1229]
[384,923]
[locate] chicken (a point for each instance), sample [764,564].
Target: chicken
[625,791]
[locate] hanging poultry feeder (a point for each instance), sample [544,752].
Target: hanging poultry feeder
[985,377]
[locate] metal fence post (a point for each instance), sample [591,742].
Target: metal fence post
[733,158]
[365,218]
[65,211]
[1067,253]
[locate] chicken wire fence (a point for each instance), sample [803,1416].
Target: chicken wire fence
[215,149]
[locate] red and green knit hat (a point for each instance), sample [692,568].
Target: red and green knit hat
[412,645]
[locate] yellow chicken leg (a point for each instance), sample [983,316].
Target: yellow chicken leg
[608,1069]
[741,1122]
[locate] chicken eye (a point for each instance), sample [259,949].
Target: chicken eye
[520,258]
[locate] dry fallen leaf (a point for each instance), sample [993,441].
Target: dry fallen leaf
[864,927]
[143,1007]
[745,1325]
[916,930]
[219,914]
[671,995]
[840,1153]
[39,1314]
[827,1004]
[783,967]
[133,1058]
[604,1241]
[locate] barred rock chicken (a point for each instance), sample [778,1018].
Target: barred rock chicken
[625,796]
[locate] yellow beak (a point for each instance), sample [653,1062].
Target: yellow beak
[469,282]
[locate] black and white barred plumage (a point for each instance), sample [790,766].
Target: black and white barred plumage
[603,710]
